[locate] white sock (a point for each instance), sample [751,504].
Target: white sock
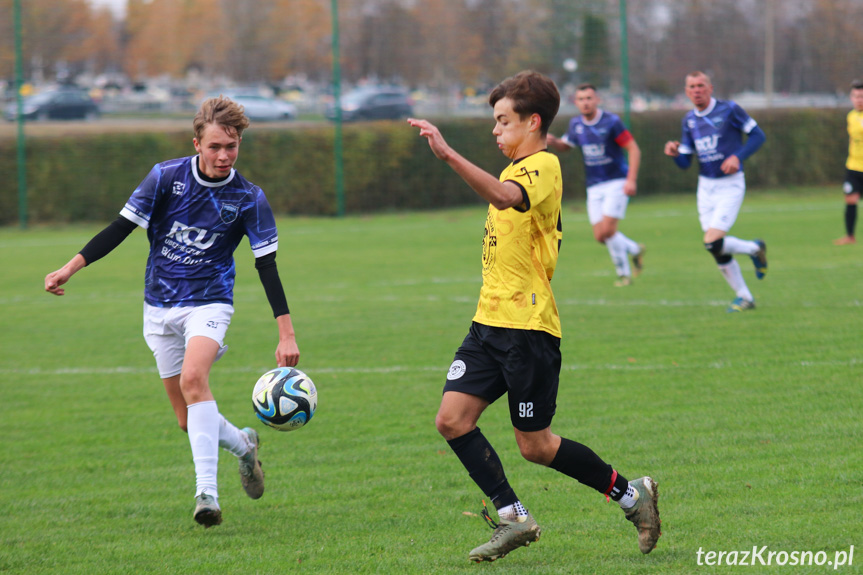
[231,438]
[629,498]
[617,250]
[512,512]
[203,426]
[734,277]
[732,245]
[632,248]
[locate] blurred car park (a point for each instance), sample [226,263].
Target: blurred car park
[59,104]
[260,108]
[373,103]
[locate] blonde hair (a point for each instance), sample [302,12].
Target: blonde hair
[697,74]
[224,112]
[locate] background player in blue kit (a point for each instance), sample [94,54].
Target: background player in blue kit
[714,131]
[196,211]
[610,180]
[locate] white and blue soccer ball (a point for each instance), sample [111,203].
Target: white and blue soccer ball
[285,398]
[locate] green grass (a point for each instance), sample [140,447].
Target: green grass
[751,423]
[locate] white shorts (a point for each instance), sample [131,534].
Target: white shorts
[606,199]
[719,201]
[167,330]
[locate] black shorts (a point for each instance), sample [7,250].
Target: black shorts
[853,182]
[525,364]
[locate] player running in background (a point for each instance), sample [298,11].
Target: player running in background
[854,164]
[603,139]
[714,131]
[513,345]
[196,211]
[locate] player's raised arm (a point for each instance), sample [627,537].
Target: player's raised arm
[557,144]
[501,195]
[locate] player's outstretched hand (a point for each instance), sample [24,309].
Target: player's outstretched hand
[54,280]
[430,132]
[287,353]
[731,165]
[671,148]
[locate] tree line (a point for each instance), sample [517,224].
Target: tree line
[443,44]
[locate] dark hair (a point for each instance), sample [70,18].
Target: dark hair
[586,86]
[857,84]
[531,93]
[224,112]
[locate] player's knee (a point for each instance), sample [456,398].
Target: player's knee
[531,453]
[183,426]
[602,233]
[194,386]
[715,249]
[448,426]
[536,452]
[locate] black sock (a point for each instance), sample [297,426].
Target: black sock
[484,466]
[850,219]
[582,464]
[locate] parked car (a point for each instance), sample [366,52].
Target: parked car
[260,108]
[374,103]
[61,104]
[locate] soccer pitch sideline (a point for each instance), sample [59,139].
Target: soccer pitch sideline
[750,422]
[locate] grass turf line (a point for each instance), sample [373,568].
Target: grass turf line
[750,422]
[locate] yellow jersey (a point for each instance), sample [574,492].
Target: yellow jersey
[855,141]
[520,248]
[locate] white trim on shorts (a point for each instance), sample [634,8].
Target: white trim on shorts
[167,330]
[719,201]
[606,199]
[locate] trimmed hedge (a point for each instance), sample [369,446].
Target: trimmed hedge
[387,166]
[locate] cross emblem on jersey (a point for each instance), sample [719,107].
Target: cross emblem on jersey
[526,172]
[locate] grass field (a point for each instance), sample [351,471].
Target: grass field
[751,423]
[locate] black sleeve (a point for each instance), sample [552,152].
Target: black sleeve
[108,239]
[269,274]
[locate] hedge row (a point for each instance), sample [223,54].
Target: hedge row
[387,166]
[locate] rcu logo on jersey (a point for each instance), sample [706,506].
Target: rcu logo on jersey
[179,188]
[593,150]
[183,234]
[707,144]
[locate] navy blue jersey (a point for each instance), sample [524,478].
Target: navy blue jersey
[193,227]
[715,134]
[601,142]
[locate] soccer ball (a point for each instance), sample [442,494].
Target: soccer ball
[285,398]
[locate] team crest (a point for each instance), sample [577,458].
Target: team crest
[456,370]
[229,213]
[179,188]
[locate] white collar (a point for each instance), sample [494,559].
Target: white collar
[206,183]
[596,119]
[706,110]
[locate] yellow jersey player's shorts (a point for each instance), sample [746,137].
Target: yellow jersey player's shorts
[525,364]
